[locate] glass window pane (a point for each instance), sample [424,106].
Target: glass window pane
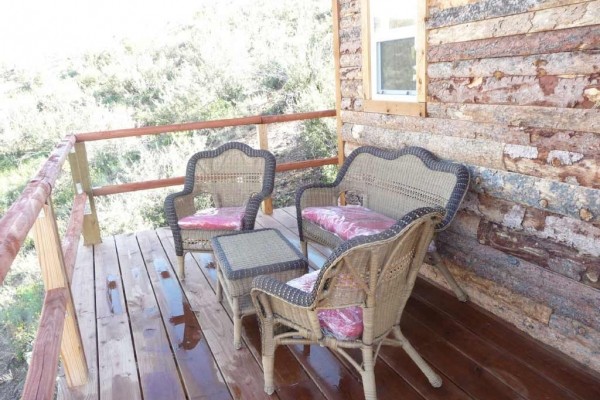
[397,66]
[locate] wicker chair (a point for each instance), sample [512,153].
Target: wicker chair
[391,183]
[376,273]
[233,175]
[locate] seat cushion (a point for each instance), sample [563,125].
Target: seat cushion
[224,218]
[342,323]
[348,222]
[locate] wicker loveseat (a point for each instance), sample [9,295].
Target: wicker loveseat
[389,184]
[234,179]
[375,274]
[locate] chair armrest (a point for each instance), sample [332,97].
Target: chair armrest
[278,290]
[315,195]
[252,207]
[179,205]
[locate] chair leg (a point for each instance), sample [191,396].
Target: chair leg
[268,355]
[181,263]
[368,374]
[439,264]
[304,245]
[433,378]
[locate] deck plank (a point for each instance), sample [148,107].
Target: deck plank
[158,373]
[556,367]
[201,375]
[118,374]
[399,361]
[240,370]
[84,299]
[507,369]
[455,366]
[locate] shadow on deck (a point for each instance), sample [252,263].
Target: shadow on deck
[148,334]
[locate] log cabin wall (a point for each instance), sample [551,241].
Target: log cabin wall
[514,93]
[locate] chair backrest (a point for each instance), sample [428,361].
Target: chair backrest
[378,272]
[231,173]
[395,182]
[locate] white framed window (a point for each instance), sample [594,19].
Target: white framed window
[393,30]
[394,48]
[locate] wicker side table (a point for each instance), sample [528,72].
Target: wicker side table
[239,257]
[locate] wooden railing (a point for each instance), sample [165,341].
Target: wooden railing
[58,332]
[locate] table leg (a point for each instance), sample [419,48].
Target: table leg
[237,324]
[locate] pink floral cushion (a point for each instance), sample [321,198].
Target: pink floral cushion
[348,221]
[224,218]
[343,323]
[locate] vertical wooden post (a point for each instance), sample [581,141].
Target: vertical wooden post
[338,88]
[421,46]
[263,144]
[47,244]
[80,172]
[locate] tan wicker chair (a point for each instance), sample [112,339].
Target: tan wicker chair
[376,273]
[391,183]
[233,175]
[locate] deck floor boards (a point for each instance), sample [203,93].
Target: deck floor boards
[147,334]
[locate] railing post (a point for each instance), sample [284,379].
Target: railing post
[263,144]
[48,247]
[80,172]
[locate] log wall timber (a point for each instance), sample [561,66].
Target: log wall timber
[513,93]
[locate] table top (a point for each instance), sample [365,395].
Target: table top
[259,252]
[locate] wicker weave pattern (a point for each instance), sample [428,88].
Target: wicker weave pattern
[376,273]
[233,175]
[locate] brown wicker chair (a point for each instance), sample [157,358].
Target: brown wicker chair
[376,273]
[391,183]
[233,175]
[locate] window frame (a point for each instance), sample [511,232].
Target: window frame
[393,103]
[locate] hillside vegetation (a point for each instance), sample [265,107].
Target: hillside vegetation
[238,58]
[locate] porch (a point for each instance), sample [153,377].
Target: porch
[146,334]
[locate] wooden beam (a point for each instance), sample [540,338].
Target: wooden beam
[263,144]
[395,107]
[71,239]
[160,183]
[335,11]
[221,123]
[584,120]
[454,12]
[41,375]
[365,30]
[563,40]
[47,244]
[21,216]
[80,171]
[570,16]
[421,50]
[136,186]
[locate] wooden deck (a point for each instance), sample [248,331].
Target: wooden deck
[148,335]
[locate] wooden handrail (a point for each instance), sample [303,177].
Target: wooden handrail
[191,126]
[41,376]
[21,216]
[160,183]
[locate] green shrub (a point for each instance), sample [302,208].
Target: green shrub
[19,317]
